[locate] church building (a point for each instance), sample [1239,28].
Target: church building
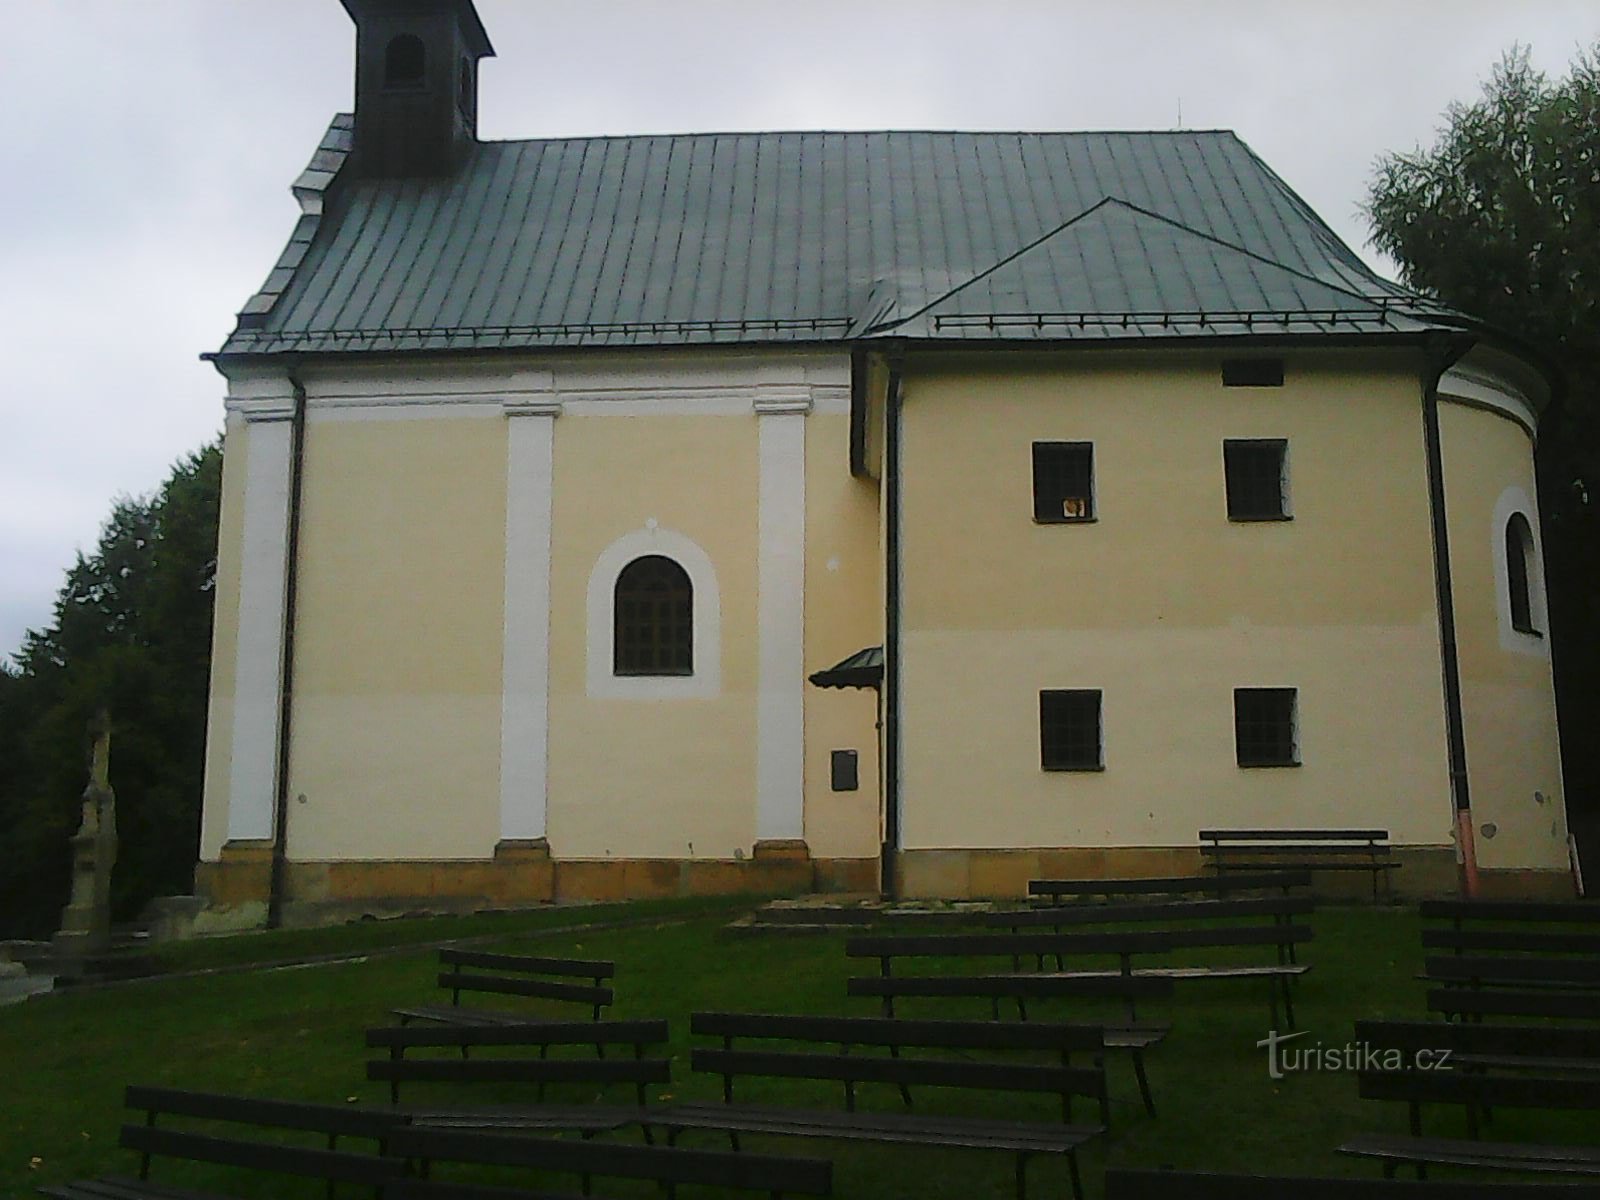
[918,511]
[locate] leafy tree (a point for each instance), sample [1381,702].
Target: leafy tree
[1501,219]
[131,631]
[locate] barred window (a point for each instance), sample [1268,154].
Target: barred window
[1063,482]
[1519,573]
[654,609]
[1069,730]
[1264,727]
[1257,481]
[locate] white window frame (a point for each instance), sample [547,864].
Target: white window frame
[1514,501]
[706,680]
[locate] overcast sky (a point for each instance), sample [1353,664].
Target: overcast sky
[148,147]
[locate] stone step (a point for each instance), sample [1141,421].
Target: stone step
[17,985]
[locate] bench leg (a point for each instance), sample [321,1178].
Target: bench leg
[1144,1083]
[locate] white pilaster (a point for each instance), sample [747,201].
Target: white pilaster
[525,696]
[780,613]
[263,593]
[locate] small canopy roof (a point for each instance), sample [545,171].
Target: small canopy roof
[863,669]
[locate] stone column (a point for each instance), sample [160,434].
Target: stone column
[263,592]
[780,620]
[525,696]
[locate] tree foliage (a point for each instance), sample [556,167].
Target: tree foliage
[1500,218]
[131,630]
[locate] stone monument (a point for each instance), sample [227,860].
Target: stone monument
[86,921]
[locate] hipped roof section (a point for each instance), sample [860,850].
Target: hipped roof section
[761,238]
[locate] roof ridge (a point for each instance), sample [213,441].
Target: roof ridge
[1010,258]
[697,134]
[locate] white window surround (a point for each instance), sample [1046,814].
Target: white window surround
[603,683]
[1512,501]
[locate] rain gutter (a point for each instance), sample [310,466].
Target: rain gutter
[1442,352]
[889,881]
[278,876]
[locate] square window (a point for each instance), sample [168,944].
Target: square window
[1069,731]
[1252,372]
[1264,728]
[1256,471]
[1063,482]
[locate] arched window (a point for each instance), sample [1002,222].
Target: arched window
[1519,572]
[404,62]
[654,612]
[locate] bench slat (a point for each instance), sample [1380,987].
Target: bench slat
[1027,986]
[1166,910]
[1473,1001]
[538,988]
[903,1128]
[1023,1077]
[1168,884]
[1462,1087]
[1519,1156]
[761,1172]
[892,1031]
[344,1119]
[1571,971]
[527,1032]
[1569,1041]
[520,1070]
[1128,1184]
[578,967]
[1580,911]
[341,1165]
[1529,940]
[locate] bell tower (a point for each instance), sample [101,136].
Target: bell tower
[416,84]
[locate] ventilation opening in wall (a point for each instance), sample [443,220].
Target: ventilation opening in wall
[1252,372]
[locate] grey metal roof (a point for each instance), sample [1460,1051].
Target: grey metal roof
[785,237]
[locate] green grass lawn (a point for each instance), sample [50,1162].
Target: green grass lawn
[297,1032]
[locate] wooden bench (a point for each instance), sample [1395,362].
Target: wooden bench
[235,1147]
[669,1166]
[1124,944]
[1134,1184]
[1023,1138]
[1055,891]
[1523,945]
[1281,910]
[512,975]
[637,1070]
[1489,1047]
[1253,850]
[1476,1092]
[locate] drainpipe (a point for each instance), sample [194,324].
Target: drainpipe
[1442,352]
[278,877]
[889,875]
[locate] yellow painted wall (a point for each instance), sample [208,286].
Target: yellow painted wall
[663,778]
[396,739]
[1508,698]
[1166,605]
[844,613]
[224,640]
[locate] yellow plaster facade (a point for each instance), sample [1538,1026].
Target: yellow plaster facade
[398,785]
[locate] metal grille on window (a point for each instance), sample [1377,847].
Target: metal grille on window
[654,619]
[1255,479]
[1063,481]
[1519,552]
[1263,725]
[1069,730]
